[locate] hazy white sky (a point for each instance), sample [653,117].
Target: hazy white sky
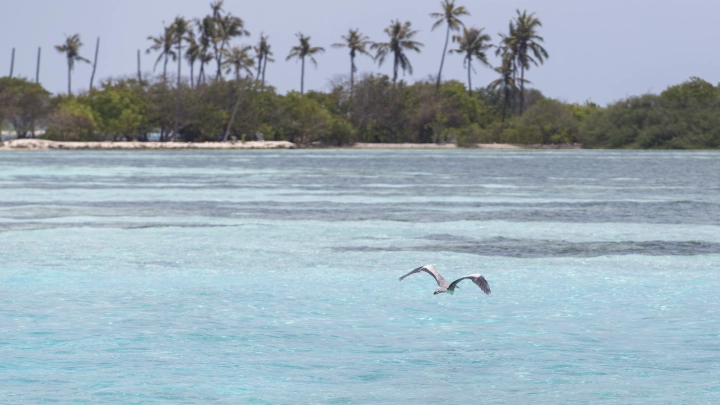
[600,50]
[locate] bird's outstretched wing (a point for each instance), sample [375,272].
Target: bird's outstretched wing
[478,279]
[429,269]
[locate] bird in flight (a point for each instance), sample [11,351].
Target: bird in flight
[444,286]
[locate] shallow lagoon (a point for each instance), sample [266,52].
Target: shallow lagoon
[271,277]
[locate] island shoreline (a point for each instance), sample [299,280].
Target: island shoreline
[43,144]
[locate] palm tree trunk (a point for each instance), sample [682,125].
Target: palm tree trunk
[234,111]
[192,74]
[263,74]
[522,88]
[165,70]
[507,98]
[395,68]
[515,95]
[201,73]
[442,60]
[218,56]
[352,75]
[177,94]
[302,77]
[260,59]
[469,79]
[69,78]
[218,59]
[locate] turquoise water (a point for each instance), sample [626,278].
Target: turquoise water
[271,277]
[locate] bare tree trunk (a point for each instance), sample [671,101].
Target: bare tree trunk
[97,48]
[12,63]
[37,68]
[138,63]
[442,60]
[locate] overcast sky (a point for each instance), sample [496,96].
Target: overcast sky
[601,50]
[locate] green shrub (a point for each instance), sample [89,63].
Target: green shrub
[469,136]
[72,121]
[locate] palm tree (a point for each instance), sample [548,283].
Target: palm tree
[400,40]
[230,27]
[238,59]
[263,53]
[507,80]
[216,7]
[449,15]
[473,43]
[300,52]
[70,48]
[204,59]
[215,19]
[206,34]
[526,41]
[267,59]
[227,27]
[163,43]
[357,43]
[192,54]
[179,35]
[260,50]
[507,49]
[180,30]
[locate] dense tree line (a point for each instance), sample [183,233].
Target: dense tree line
[375,110]
[684,116]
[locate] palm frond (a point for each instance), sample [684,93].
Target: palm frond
[449,15]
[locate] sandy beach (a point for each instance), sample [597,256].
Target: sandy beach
[42,144]
[431,146]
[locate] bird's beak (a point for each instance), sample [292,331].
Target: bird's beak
[436,293]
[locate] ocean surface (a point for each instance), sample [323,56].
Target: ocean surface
[271,277]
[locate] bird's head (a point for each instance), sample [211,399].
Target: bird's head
[437,292]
